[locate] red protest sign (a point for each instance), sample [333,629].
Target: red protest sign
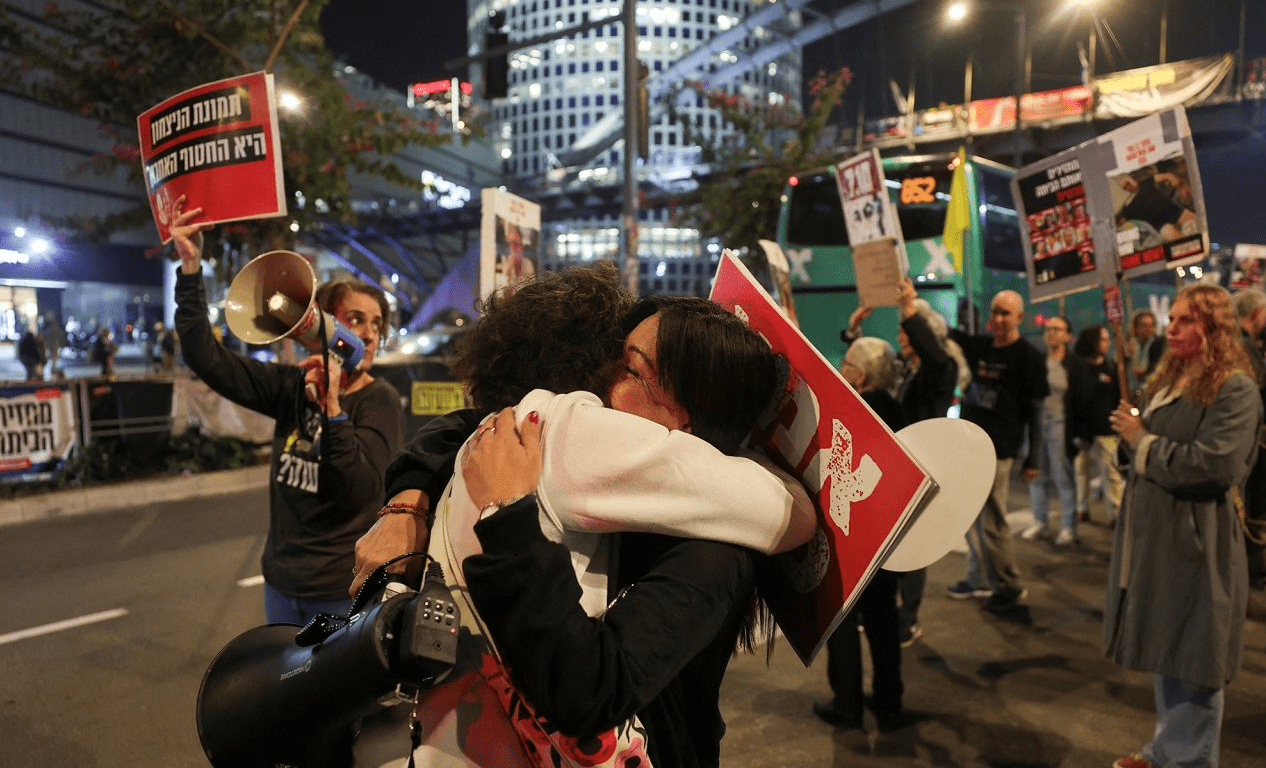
[218,145]
[864,482]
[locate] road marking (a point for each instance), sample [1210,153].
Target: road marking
[253,581]
[58,626]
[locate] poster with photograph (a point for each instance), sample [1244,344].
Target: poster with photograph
[1249,269]
[1157,205]
[1055,222]
[874,231]
[1128,201]
[509,240]
[219,146]
[864,482]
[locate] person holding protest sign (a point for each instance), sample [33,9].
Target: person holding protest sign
[1177,580]
[1004,399]
[658,652]
[934,367]
[334,435]
[870,367]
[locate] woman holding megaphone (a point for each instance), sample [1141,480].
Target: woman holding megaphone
[335,429]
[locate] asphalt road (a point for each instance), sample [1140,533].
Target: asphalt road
[158,586]
[156,592]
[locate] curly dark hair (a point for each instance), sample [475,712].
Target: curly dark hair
[560,330]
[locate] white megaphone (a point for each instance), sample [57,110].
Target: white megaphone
[274,298]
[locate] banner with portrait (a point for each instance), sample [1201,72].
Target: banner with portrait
[1055,219]
[218,145]
[509,240]
[1129,201]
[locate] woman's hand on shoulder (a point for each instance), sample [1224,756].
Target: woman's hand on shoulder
[504,462]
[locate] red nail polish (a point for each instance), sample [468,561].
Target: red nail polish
[534,417]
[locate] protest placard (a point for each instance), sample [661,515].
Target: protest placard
[509,240]
[1126,202]
[865,484]
[874,231]
[1157,202]
[219,146]
[37,430]
[1060,244]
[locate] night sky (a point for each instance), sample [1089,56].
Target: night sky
[403,41]
[397,42]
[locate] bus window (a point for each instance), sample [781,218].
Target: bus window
[1003,249]
[814,215]
[922,196]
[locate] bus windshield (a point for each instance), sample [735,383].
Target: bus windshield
[921,192]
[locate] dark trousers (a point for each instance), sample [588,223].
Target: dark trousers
[912,584]
[876,610]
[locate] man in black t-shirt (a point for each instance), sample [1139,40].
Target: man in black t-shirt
[1004,398]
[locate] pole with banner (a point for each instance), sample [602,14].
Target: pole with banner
[1115,313]
[958,230]
[1123,204]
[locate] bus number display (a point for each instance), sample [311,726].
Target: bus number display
[918,190]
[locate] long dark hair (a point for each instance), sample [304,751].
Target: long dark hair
[722,372]
[1087,344]
[725,375]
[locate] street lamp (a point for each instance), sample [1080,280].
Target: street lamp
[955,13]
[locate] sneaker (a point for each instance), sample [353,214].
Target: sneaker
[1135,760]
[1005,600]
[1065,537]
[910,634]
[1035,531]
[963,590]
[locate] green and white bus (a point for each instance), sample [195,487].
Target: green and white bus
[811,233]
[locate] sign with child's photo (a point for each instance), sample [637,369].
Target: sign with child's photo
[864,482]
[219,146]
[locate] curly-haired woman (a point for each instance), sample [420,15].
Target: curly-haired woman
[1178,580]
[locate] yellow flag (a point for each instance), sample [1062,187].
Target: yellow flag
[958,212]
